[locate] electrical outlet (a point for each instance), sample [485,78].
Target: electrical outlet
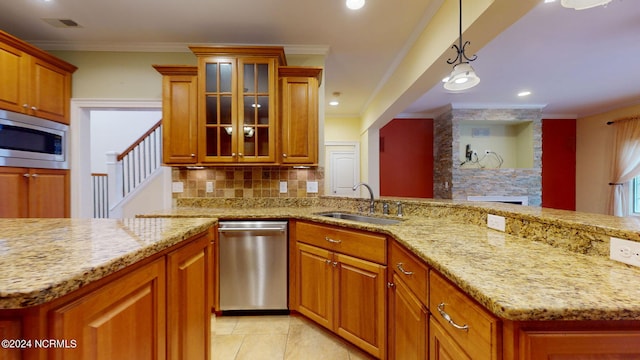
[312,186]
[496,222]
[209,186]
[177,187]
[625,251]
[283,187]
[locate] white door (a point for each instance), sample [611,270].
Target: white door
[344,169]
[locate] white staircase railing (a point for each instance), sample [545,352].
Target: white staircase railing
[129,170]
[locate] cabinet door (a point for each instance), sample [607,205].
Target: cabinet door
[256,110]
[299,113]
[10,329]
[407,323]
[14,192]
[14,65]
[180,119]
[361,303]
[442,346]
[217,111]
[315,284]
[48,193]
[576,345]
[188,303]
[123,320]
[49,91]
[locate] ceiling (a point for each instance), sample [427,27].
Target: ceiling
[575,63]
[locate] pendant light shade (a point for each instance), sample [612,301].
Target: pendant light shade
[462,77]
[583,4]
[355,4]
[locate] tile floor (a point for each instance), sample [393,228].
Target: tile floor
[276,337]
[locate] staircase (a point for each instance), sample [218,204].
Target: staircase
[128,174]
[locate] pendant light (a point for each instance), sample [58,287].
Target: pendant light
[463,76]
[583,4]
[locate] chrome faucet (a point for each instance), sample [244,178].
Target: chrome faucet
[372,206]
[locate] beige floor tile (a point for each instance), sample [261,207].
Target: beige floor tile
[307,341]
[262,325]
[225,347]
[223,325]
[262,346]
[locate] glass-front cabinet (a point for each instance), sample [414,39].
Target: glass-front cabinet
[237,117]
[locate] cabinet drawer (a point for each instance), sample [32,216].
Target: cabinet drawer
[411,270]
[480,338]
[360,244]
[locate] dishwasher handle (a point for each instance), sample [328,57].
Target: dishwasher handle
[232,229]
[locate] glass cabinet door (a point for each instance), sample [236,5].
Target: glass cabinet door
[219,109]
[257,110]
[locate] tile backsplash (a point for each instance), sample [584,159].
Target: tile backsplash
[247,182]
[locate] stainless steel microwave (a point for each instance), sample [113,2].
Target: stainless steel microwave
[28,141]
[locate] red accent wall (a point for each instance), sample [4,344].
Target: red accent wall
[559,164]
[406,158]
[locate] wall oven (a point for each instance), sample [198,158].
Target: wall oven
[28,141]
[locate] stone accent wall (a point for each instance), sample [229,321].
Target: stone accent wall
[465,182]
[247,182]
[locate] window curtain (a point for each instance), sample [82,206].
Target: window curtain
[625,165]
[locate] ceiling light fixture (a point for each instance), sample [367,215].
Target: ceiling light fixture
[334,101]
[583,4]
[524,93]
[355,4]
[463,76]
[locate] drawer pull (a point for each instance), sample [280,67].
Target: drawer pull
[332,240]
[447,317]
[400,267]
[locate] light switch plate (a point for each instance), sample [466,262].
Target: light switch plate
[625,251]
[496,222]
[177,186]
[312,186]
[209,186]
[283,187]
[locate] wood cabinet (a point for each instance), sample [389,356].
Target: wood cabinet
[237,107]
[189,301]
[340,285]
[179,114]
[122,320]
[37,193]
[408,313]
[299,114]
[33,81]
[459,325]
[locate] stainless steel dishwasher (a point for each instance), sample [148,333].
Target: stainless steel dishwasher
[253,266]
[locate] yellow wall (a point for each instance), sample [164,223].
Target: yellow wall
[342,129]
[594,142]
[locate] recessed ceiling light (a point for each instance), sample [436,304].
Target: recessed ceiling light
[334,103]
[355,4]
[524,93]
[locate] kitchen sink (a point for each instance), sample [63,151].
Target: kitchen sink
[359,218]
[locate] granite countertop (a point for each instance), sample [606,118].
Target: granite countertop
[515,278]
[43,259]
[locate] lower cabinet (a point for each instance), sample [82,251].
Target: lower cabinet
[35,193]
[188,301]
[407,323]
[339,291]
[121,320]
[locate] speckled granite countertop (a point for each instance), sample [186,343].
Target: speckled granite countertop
[513,277]
[43,259]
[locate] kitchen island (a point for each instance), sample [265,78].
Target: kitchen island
[549,272]
[102,288]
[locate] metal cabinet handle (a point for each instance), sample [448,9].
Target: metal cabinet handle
[332,240]
[26,175]
[390,285]
[448,318]
[240,154]
[34,108]
[400,267]
[284,155]
[328,261]
[193,155]
[335,263]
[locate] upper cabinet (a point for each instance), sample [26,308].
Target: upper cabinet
[179,113]
[299,114]
[237,104]
[240,106]
[33,81]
